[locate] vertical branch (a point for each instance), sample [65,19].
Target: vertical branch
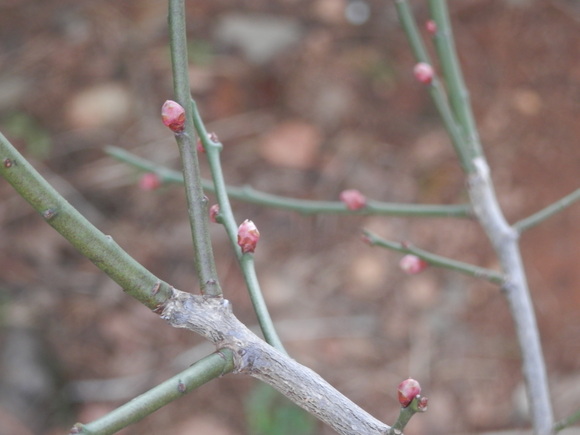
[486,208]
[186,140]
[458,92]
[213,149]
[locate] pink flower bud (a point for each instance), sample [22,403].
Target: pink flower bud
[173,116]
[214,211]
[423,404]
[412,264]
[353,199]
[248,236]
[211,136]
[431,27]
[424,73]
[149,181]
[408,390]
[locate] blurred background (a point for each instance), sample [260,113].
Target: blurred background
[309,98]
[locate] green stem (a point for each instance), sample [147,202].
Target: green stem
[437,260]
[459,95]
[305,206]
[99,248]
[227,218]
[436,89]
[569,421]
[547,212]
[203,371]
[196,200]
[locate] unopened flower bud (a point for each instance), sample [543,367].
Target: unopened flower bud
[431,27]
[214,211]
[149,181]
[353,199]
[248,236]
[211,136]
[424,73]
[173,116]
[412,264]
[423,404]
[408,390]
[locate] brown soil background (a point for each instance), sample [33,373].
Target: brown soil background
[336,109]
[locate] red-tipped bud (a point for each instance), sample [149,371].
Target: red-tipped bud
[248,236]
[173,116]
[423,404]
[408,390]
[412,264]
[431,27]
[149,181]
[211,136]
[424,73]
[214,211]
[353,199]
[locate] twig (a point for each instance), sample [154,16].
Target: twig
[212,150]
[203,371]
[99,248]
[196,200]
[304,206]
[568,421]
[547,212]
[437,260]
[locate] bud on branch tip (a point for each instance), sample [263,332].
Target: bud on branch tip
[407,391]
[173,116]
[248,236]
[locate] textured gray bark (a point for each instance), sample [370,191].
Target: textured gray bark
[213,319]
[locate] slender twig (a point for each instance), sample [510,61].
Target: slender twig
[436,89]
[568,421]
[404,417]
[201,372]
[304,206]
[196,200]
[458,92]
[437,260]
[547,212]
[101,249]
[226,217]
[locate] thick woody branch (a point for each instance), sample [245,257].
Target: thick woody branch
[213,319]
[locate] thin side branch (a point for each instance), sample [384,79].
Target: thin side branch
[545,213]
[201,372]
[304,206]
[437,260]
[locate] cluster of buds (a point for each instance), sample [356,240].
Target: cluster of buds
[353,199]
[248,236]
[408,390]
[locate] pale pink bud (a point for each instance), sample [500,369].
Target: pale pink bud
[173,116]
[149,181]
[423,404]
[353,199]
[214,211]
[211,136]
[412,264]
[407,391]
[423,73]
[431,27]
[248,236]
